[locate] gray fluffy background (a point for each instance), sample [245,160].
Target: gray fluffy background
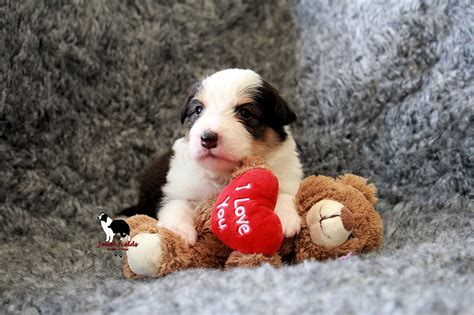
[90,92]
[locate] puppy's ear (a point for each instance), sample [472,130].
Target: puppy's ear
[184,110]
[282,114]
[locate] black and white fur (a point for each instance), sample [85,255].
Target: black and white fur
[230,115]
[113,227]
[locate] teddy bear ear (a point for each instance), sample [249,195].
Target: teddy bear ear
[360,183]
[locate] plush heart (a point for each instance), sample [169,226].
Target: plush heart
[243,217]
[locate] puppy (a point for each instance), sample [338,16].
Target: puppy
[230,115]
[113,227]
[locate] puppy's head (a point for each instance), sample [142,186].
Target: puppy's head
[102,216]
[234,114]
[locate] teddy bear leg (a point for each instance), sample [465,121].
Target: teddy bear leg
[146,258]
[330,223]
[127,271]
[156,254]
[237,259]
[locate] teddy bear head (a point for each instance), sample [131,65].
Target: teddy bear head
[337,216]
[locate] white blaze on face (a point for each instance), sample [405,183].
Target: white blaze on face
[220,94]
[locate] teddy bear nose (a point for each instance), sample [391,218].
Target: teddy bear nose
[347,218]
[209,139]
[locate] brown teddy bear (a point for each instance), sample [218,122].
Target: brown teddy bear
[337,218]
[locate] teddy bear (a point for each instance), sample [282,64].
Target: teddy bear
[337,218]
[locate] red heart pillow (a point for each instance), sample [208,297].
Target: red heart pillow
[243,217]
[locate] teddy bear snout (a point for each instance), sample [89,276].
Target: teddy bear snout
[330,223]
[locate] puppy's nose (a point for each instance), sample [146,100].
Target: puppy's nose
[209,139]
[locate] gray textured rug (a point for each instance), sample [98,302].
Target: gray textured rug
[89,92]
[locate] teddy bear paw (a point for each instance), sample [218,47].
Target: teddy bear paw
[330,223]
[145,259]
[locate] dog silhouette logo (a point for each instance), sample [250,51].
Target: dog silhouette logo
[114,227]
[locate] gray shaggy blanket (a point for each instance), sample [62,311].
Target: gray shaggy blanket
[90,92]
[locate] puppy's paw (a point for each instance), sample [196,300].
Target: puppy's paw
[290,222]
[186,231]
[286,211]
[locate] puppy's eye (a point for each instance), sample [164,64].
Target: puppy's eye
[244,113]
[199,109]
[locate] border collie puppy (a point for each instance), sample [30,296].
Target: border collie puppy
[113,227]
[230,115]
